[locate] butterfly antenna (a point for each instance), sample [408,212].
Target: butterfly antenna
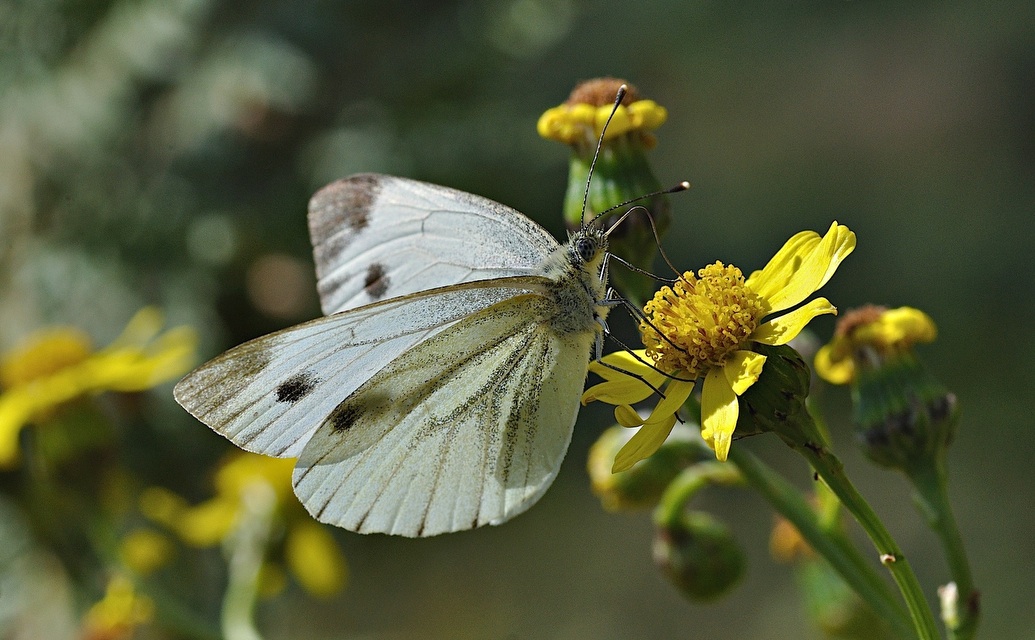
[682,186]
[600,142]
[643,272]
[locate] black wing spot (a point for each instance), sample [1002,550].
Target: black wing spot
[343,418]
[338,212]
[376,282]
[296,387]
[345,202]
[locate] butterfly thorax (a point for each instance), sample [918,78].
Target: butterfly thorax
[577,283]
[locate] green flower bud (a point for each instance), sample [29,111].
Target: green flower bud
[642,485]
[622,172]
[830,602]
[834,606]
[904,415]
[776,403]
[699,555]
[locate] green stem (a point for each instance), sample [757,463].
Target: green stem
[689,482]
[831,470]
[931,487]
[178,617]
[830,543]
[247,549]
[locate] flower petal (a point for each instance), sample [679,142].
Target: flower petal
[621,364]
[802,266]
[844,245]
[206,524]
[627,416]
[897,328]
[627,391]
[719,412]
[742,370]
[834,364]
[782,266]
[783,329]
[141,329]
[628,380]
[643,444]
[136,369]
[676,394]
[16,408]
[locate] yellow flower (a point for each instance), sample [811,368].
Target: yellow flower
[144,550]
[118,612]
[58,365]
[315,559]
[311,553]
[869,335]
[705,326]
[210,522]
[786,543]
[580,120]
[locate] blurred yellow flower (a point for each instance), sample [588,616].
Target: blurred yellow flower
[58,365]
[705,326]
[120,611]
[870,334]
[144,550]
[786,543]
[315,559]
[311,553]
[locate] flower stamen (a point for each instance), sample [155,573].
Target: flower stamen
[700,321]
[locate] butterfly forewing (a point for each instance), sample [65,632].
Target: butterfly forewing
[269,395]
[465,429]
[377,237]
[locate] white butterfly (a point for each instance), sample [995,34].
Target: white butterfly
[440,391]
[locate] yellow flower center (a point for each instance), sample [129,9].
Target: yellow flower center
[700,321]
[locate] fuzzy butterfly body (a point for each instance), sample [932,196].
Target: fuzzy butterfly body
[440,391]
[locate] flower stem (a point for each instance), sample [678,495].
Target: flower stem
[831,470]
[687,483]
[931,494]
[246,549]
[830,543]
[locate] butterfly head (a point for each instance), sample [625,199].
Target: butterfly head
[587,247]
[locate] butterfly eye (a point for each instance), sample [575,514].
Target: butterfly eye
[586,248]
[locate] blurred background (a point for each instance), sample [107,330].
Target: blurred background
[162,152]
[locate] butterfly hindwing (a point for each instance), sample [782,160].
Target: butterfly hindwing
[377,237]
[269,395]
[466,428]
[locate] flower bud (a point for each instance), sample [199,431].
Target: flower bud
[830,602]
[622,172]
[776,403]
[642,485]
[903,414]
[834,607]
[699,555]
